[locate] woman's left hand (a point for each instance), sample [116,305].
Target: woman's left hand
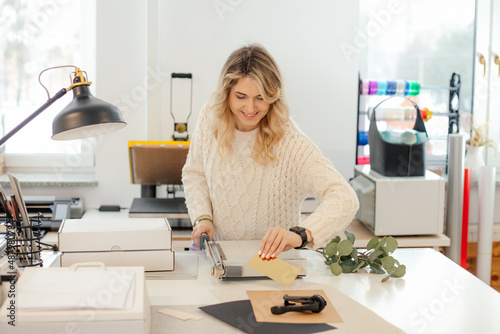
[278,240]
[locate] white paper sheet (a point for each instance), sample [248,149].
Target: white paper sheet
[64,290]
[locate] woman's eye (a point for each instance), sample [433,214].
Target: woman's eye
[260,98]
[240,97]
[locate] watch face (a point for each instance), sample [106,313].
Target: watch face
[296,229]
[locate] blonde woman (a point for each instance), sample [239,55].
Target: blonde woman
[249,167]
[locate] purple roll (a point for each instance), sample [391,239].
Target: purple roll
[373,87]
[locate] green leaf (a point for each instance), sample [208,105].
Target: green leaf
[345,258]
[336,269]
[348,266]
[386,278]
[392,244]
[374,255]
[375,269]
[360,265]
[354,254]
[350,236]
[344,247]
[400,271]
[331,249]
[384,250]
[373,243]
[387,262]
[382,242]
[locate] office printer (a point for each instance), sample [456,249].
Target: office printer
[53,209]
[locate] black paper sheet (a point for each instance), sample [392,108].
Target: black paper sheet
[239,314]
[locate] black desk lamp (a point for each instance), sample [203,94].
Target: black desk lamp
[86,116]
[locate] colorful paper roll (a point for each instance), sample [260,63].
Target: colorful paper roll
[363,138]
[413,88]
[365,160]
[400,87]
[373,85]
[391,87]
[365,87]
[382,88]
[417,88]
[407,87]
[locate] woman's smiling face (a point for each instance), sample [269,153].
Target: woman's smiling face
[247,104]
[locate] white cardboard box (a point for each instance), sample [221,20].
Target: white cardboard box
[143,242]
[136,318]
[79,235]
[152,260]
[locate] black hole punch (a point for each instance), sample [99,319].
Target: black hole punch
[314,304]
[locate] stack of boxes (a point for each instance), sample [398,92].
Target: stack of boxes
[145,242]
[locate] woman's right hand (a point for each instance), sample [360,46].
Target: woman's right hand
[204,226]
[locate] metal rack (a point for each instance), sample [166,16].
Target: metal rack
[23,241]
[452,114]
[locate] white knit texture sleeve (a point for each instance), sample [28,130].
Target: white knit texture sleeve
[338,201]
[193,174]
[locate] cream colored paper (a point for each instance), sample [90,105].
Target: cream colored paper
[263,300]
[276,269]
[179,314]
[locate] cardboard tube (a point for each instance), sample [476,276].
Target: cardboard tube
[486,208]
[455,197]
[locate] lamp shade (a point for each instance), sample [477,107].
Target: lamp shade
[86,116]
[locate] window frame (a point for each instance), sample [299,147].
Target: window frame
[84,161]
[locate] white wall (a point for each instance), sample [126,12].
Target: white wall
[135,59]
[303,36]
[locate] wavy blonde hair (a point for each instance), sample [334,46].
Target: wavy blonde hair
[255,62]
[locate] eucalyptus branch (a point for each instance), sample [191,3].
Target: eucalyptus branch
[343,257]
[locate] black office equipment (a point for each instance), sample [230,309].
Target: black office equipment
[313,304]
[110,208]
[159,163]
[51,210]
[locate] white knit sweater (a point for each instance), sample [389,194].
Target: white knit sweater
[245,198]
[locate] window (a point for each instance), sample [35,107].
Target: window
[425,41]
[42,34]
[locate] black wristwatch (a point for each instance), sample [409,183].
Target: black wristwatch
[302,232]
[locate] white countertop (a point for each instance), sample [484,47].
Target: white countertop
[435,295]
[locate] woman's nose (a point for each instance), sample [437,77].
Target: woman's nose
[250,105]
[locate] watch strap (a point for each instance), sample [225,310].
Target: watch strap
[303,234]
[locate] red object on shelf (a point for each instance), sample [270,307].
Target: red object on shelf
[465,219]
[363,160]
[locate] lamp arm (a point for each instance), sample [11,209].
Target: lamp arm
[47,104]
